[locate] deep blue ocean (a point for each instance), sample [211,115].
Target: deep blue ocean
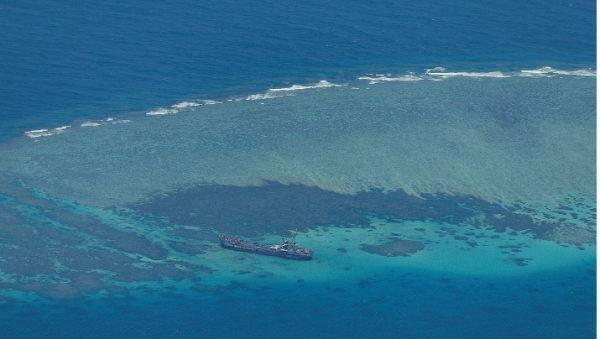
[146,264]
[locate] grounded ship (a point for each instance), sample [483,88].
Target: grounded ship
[289,249]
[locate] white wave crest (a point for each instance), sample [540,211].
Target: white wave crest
[383,78]
[580,72]
[104,122]
[182,106]
[441,72]
[163,111]
[320,84]
[186,104]
[46,132]
[268,95]
[547,71]
[275,92]
[211,102]
[90,124]
[433,74]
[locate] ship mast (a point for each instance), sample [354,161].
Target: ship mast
[294,234]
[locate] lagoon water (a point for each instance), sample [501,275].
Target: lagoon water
[439,159]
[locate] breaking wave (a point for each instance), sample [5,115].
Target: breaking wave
[182,106]
[549,71]
[439,73]
[46,132]
[276,92]
[104,122]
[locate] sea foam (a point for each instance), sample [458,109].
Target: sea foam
[182,106]
[162,111]
[104,122]
[268,95]
[320,84]
[547,71]
[186,104]
[273,93]
[46,132]
[384,78]
[441,72]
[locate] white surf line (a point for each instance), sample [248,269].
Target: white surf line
[109,120]
[273,93]
[46,132]
[182,106]
[549,71]
[438,73]
[388,77]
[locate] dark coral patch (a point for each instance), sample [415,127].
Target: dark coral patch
[519,261]
[62,253]
[275,208]
[395,248]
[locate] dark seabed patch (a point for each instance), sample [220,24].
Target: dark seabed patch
[275,208]
[519,261]
[394,248]
[61,253]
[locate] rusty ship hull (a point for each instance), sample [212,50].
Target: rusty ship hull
[287,250]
